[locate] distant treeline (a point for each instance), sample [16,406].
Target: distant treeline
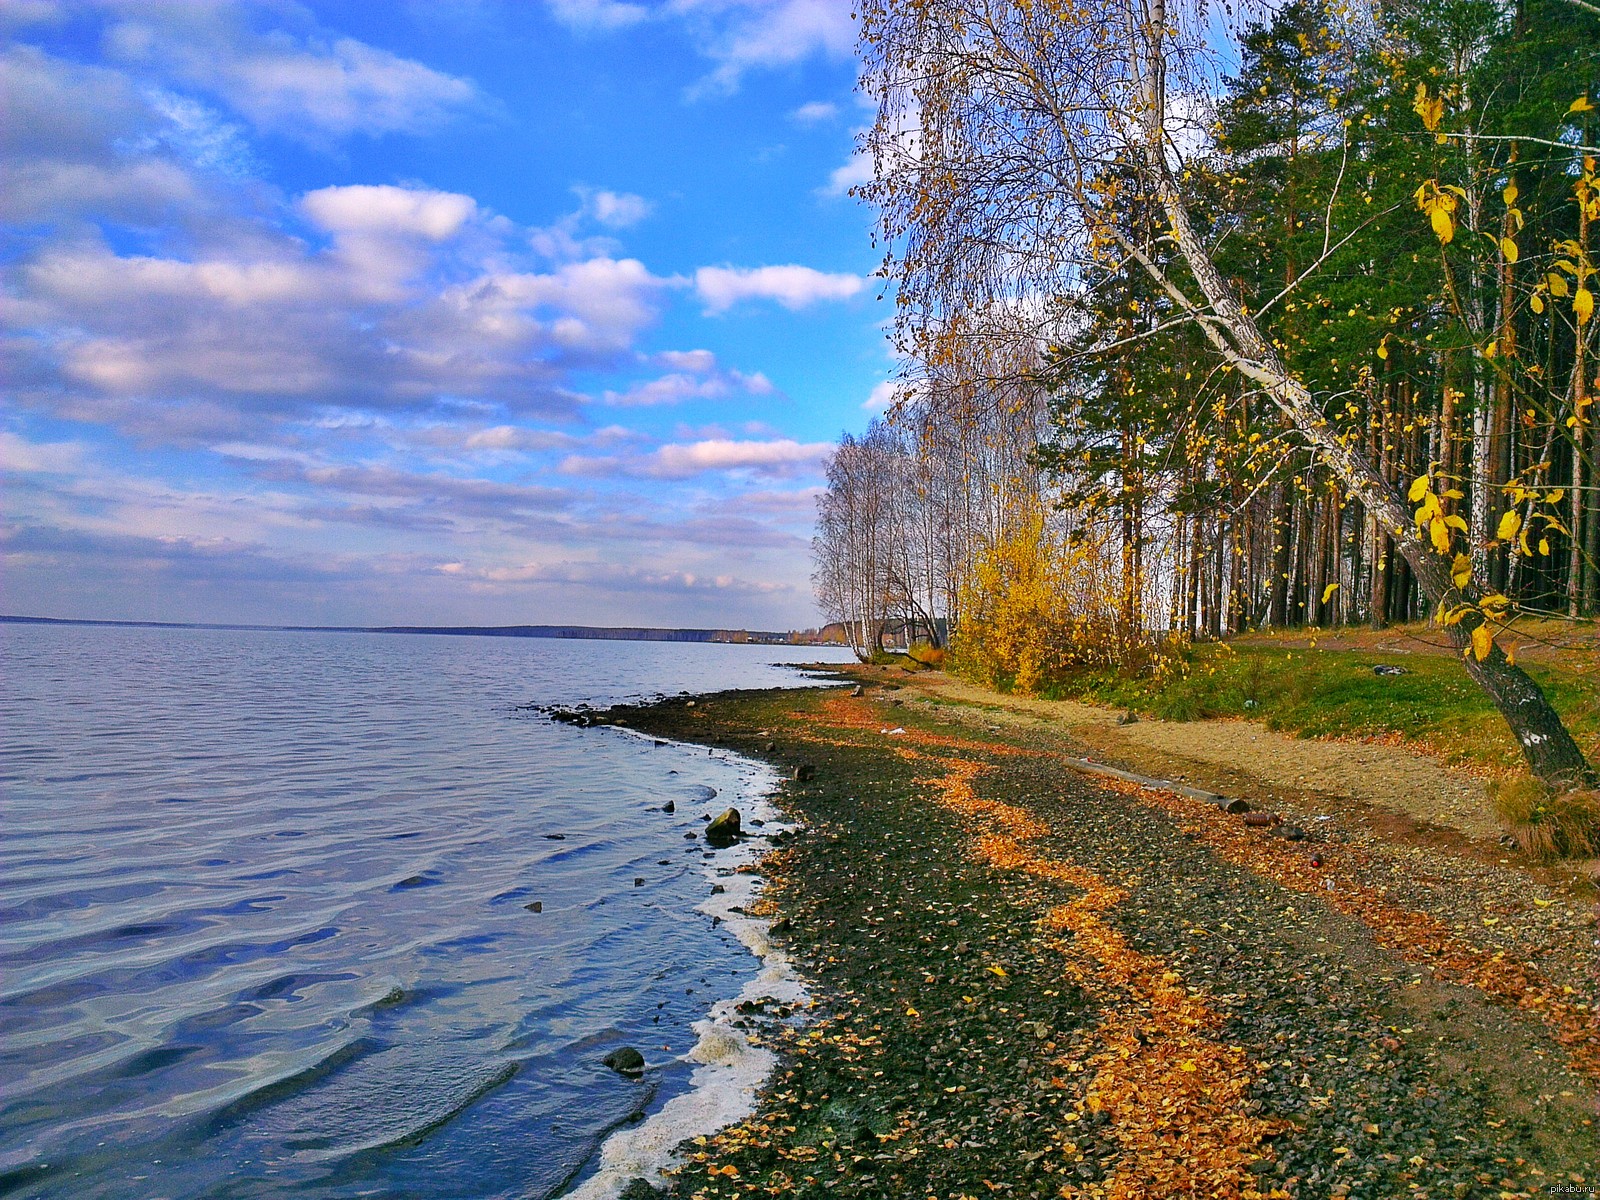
[601,633]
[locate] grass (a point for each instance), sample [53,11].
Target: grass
[1335,693]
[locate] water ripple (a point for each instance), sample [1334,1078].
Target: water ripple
[264,917]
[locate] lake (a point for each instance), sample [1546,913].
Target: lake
[265,921]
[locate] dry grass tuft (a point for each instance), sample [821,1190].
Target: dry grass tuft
[1548,825]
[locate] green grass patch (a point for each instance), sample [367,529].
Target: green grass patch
[1335,693]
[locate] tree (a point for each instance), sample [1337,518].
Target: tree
[1013,141]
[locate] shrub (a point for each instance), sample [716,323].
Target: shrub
[1040,605]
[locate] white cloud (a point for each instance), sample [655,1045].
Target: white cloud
[743,34]
[597,15]
[737,35]
[26,457]
[779,457]
[618,210]
[815,112]
[306,87]
[679,386]
[385,210]
[881,399]
[688,360]
[792,286]
[856,171]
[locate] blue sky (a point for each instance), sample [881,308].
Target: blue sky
[436,312]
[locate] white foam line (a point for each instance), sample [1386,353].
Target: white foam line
[730,1068]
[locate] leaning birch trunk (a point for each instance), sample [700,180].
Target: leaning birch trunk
[1551,753]
[1550,750]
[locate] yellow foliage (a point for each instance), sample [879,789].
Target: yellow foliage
[1039,605]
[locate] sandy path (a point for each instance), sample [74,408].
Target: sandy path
[1392,778]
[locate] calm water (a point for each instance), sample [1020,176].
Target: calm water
[262,908]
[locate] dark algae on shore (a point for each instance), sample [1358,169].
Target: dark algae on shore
[1030,984]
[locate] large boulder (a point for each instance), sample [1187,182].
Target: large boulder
[724,828]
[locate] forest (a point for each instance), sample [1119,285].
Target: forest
[1212,322]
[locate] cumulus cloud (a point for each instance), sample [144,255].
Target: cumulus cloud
[618,210]
[740,35]
[698,382]
[815,112]
[779,457]
[382,210]
[310,87]
[792,286]
[277,330]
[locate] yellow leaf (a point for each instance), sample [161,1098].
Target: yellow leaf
[1510,522]
[1418,489]
[1430,110]
[1440,533]
[1544,546]
[1509,195]
[1509,249]
[1482,642]
[1583,305]
[1461,571]
[1558,285]
[1553,496]
[1328,591]
[1443,227]
[1456,522]
[1544,903]
[1492,348]
[911,1012]
[1188,1066]
[1511,655]
[1580,105]
[1537,304]
[1000,971]
[1383,349]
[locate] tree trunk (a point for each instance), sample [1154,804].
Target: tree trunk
[1549,748]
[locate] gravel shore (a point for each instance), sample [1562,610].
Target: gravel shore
[1032,983]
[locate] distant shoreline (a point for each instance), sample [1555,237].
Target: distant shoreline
[581,632]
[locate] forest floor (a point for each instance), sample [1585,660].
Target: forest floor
[1032,982]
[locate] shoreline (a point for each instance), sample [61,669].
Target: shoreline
[729,1065]
[984,932]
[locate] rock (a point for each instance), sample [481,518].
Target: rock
[804,772]
[669,807]
[691,836]
[536,906]
[1293,833]
[1235,806]
[724,830]
[717,889]
[688,703]
[1128,718]
[638,1189]
[856,691]
[771,746]
[637,881]
[1387,669]
[625,1061]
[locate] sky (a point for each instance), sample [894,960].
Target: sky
[444,312]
